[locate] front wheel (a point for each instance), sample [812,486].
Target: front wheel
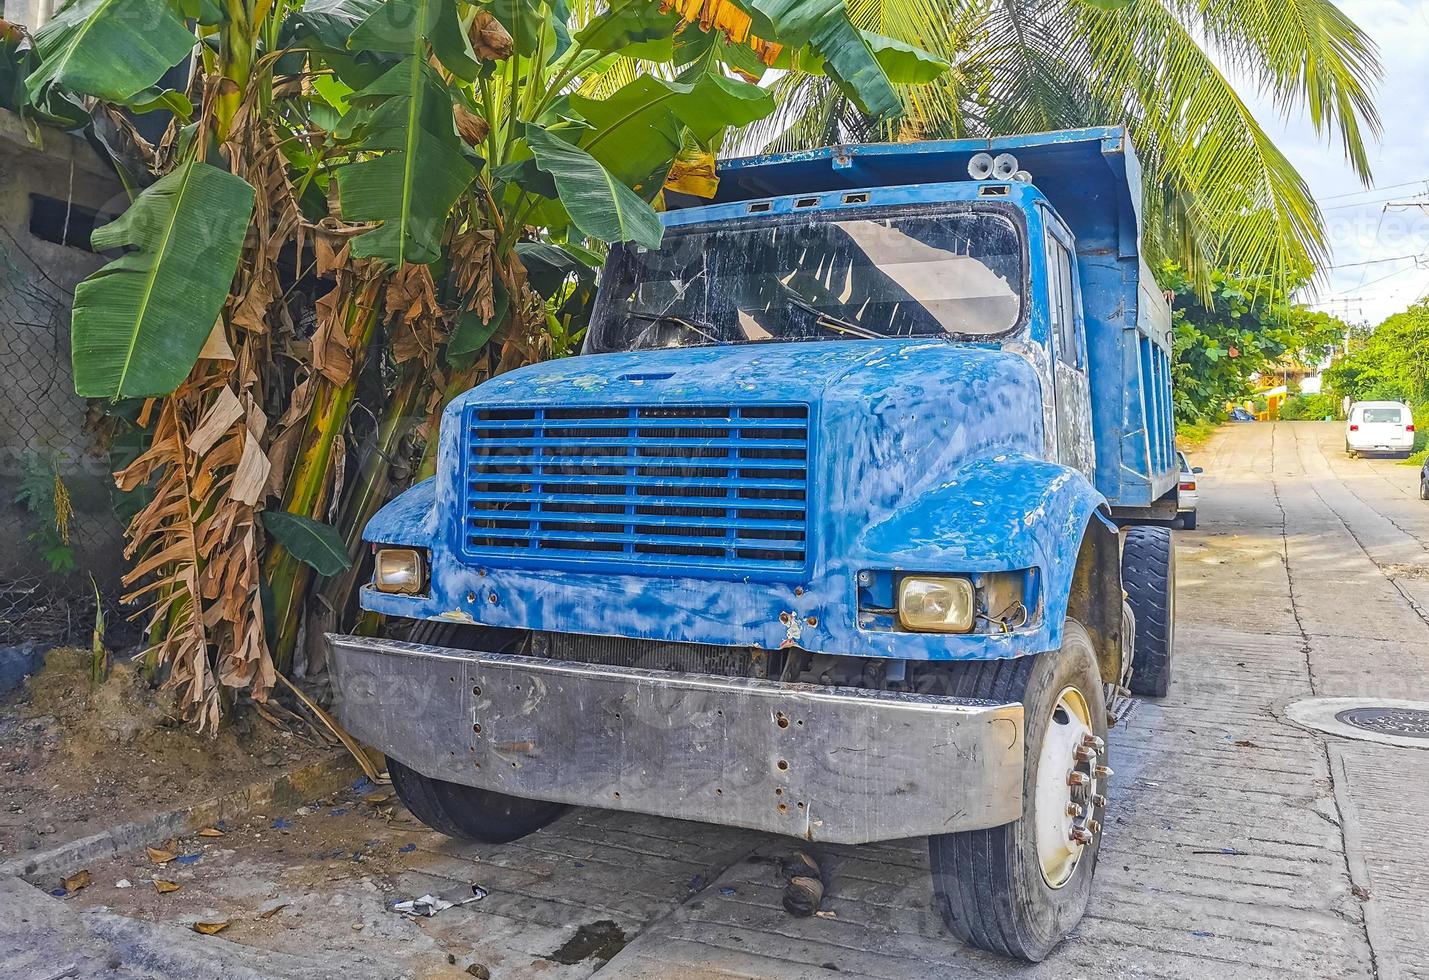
[1020,888]
[468,813]
[1424,488]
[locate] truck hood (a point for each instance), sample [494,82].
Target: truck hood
[890,419]
[921,455]
[770,373]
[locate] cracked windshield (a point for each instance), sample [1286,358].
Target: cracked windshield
[884,274]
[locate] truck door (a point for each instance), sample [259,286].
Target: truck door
[1075,447]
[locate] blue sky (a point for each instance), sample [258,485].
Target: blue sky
[1359,226]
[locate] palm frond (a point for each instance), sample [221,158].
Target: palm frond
[1303,53]
[1235,194]
[1218,190]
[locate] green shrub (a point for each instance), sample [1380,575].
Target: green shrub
[1191,436]
[1298,407]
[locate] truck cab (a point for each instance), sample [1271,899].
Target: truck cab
[820,535]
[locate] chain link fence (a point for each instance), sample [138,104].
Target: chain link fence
[60,537]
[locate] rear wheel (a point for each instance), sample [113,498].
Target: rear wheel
[1423,488]
[468,813]
[1020,888]
[1148,574]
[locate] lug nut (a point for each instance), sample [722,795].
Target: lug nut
[1077,779]
[1099,800]
[1103,772]
[1080,835]
[1094,742]
[1074,810]
[1085,753]
[1095,826]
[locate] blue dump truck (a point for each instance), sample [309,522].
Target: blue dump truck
[843,526]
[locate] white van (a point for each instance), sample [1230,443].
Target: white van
[1379,427]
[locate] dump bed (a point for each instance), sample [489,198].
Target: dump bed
[1092,178]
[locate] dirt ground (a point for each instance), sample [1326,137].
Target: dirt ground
[75,759]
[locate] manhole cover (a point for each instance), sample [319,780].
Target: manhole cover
[1406,722]
[1387,721]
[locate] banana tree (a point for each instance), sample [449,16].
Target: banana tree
[361,208]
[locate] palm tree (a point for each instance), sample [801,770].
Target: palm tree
[1219,193]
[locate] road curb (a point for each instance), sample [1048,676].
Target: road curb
[294,787]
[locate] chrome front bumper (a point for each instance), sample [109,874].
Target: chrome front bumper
[831,764]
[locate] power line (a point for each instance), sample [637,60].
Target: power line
[1374,190]
[1366,204]
[1377,226]
[1373,282]
[1356,265]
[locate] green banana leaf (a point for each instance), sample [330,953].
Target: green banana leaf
[406,115]
[627,23]
[599,204]
[636,130]
[471,332]
[311,542]
[110,49]
[903,63]
[849,60]
[548,265]
[329,23]
[140,322]
[791,22]
[323,26]
[706,105]
[401,27]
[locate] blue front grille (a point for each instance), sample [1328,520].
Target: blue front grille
[689,485]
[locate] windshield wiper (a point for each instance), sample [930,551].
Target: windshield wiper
[705,330]
[835,323]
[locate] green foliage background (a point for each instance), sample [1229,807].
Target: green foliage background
[1240,329]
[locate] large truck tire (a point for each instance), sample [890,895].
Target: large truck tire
[463,812]
[468,813]
[1148,574]
[1018,889]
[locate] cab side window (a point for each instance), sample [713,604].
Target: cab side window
[1061,298]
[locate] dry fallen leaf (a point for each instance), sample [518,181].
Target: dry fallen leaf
[164,887]
[381,796]
[1246,743]
[1360,892]
[209,928]
[76,881]
[269,913]
[159,855]
[210,832]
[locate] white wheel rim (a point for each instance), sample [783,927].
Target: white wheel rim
[1069,801]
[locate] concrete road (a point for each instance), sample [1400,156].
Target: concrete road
[1239,844]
